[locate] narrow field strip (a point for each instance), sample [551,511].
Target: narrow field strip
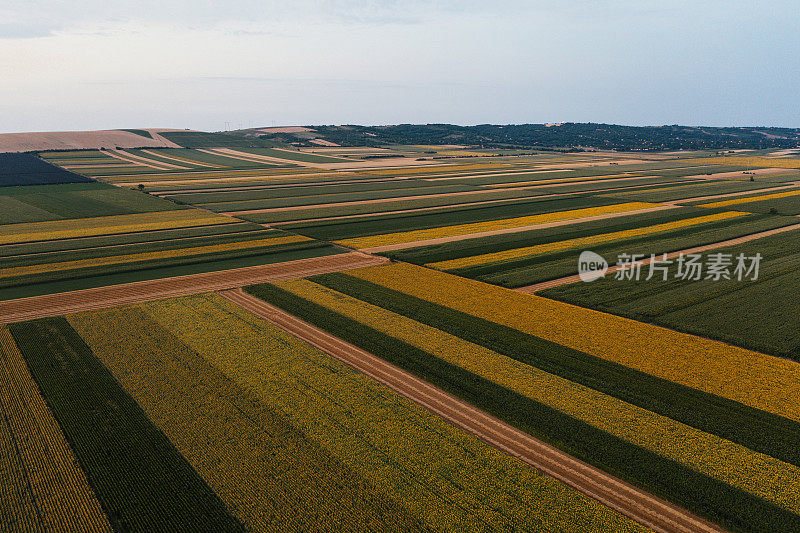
[149,256]
[736,465]
[241,156]
[141,161]
[43,488]
[757,430]
[443,477]
[582,241]
[270,474]
[768,383]
[674,481]
[536,287]
[142,481]
[151,161]
[761,162]
[735,201]
[477,227]
[163,155]
[141,291]
[562,180]
[108,225]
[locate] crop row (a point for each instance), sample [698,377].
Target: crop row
[498,224]
[732,507]
[43,487]
[526,271]
[107,225]
[141,480]
[498,243]
[530,251]
[744,313]
[439,476]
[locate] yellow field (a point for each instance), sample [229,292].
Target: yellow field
[752,378]
[735,201]
[581,241]
[759,162]
[108,225]
[477,227]
[133,179]
[424,472]
[731,463]
[435,169]
[465,153]
[42,486]
[147,256]
[562,180]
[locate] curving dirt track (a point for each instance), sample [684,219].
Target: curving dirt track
[568,280]
[648,510]
[141,291]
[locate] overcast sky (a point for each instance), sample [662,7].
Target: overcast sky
[96,64]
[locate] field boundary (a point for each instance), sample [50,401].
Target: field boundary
[568,280]
[22,309]
[646,509]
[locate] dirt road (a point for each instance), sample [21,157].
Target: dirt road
[615,493]
[142,291]
[564,222]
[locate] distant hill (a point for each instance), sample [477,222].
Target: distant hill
[554,136]
[77,140]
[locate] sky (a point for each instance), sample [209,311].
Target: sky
[97,64]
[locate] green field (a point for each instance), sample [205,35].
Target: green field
[725,504]
[39,203]
[757,314]
[527,271]
[141,480]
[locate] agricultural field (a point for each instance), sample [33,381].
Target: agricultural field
[228,332]
[495,348]
[26,169]
[196,439]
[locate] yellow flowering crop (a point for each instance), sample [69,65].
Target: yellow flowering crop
[759,380]
[562,180]
[148,256]
[42,488]
[731,463]
[442,476]
[580,241]
[108,225]
[426,169]
[761,162]
[734,201]
[491,225]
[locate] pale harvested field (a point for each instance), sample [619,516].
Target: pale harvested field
[66,140]
[181,160]
[144,160]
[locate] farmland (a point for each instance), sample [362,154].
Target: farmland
[231,332]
